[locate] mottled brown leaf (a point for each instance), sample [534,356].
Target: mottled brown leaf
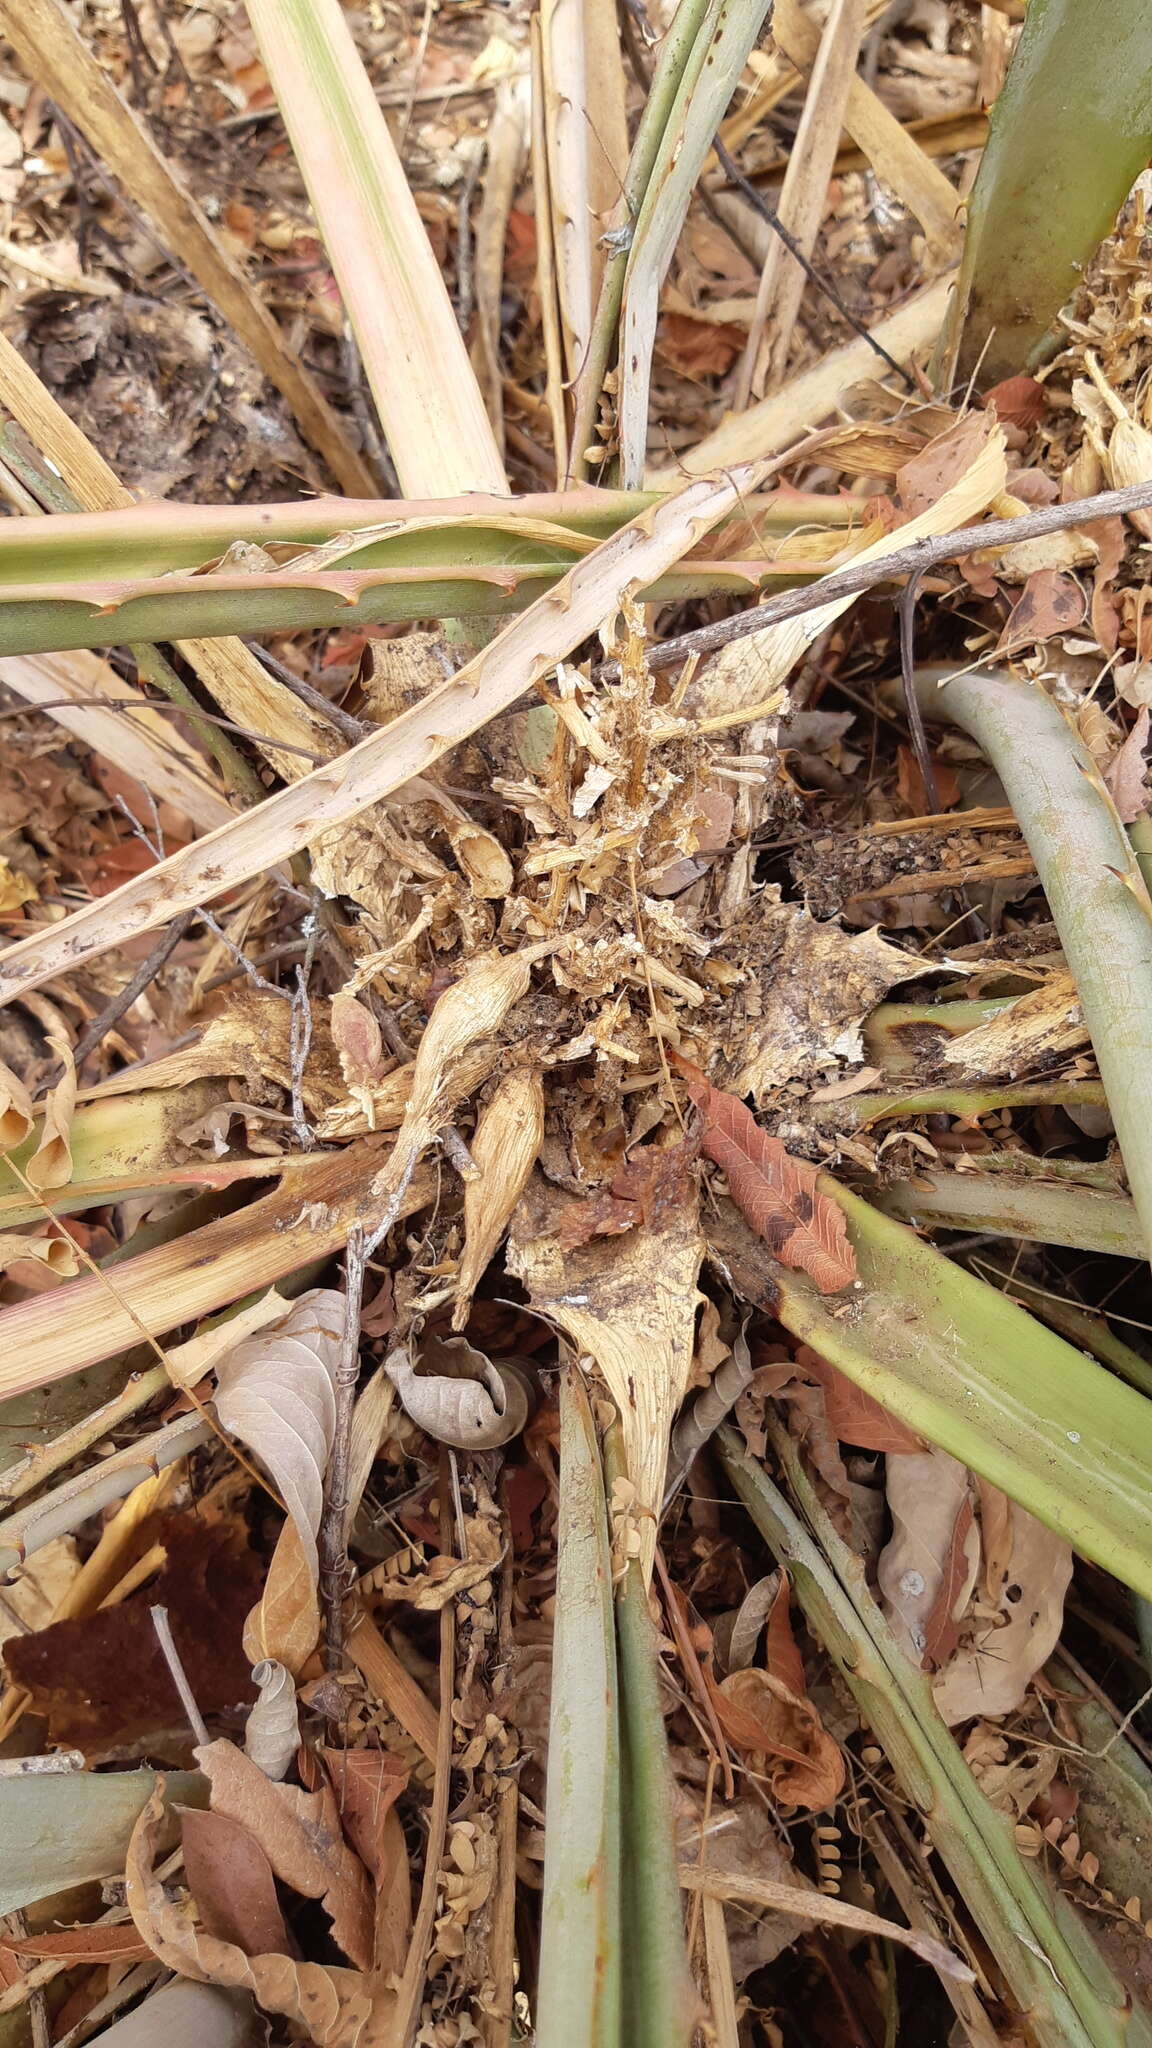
[856,1417]
[780,1196]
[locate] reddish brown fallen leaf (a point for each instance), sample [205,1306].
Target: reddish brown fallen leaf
[912,789]
[781,1656]
[780,1196]
[698,348]
[366,1784]
[1126,772]
[232,1882]
[1051,602]
[647,1187]
[762,1716]
[302,1836]
[335,2008]
[856,1416]
[1018,402]
[78,1945]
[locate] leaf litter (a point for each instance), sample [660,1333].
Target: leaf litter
[619,951]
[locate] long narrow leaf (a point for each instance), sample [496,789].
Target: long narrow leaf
[425,388]
[578,1999]
[972,1372]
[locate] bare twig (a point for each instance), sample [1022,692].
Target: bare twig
[164,1637]
[333,1533]
[112,1012]
[916,559]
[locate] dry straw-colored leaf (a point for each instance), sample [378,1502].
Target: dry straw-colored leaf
[57,1253]
[336,2008]
[285,1627]
[272,1735]
[505,1147]
[51,1164]
[475,1404]
[628,1304]
[356,1037]
[276,1392]
[16,1112]
[780,1196]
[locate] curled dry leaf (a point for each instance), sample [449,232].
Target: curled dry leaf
[57,1253]
[16,1113]
[1126,774]
[302,1837]
[51,1164]
[336,2008]
[469,1012]
[765,1718]
[991,1671]
[926,1495]
[780,1196]
[272,1735]
[474,1403]
[276,1392]
[507,1141]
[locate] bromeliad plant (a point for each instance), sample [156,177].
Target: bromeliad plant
[946,1352]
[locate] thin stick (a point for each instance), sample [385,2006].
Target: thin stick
[918,558]
[333,1544]
[164,1637]
[412,1983]
[112,1012]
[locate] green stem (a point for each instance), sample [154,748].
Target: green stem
[855,1112]
[1094,887]
[579,1990]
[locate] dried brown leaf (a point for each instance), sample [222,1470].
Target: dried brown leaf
[16,1112]
[272,1734]
[482,1404]
[762,1716]
[991,1671]
[276,1392]
[926,1493]
[336,2008]
[285,1627]
[356,1037]
[505,1147]
[780,1196]
[856,1416]
[650,1183]
[58,1254]
[51,1164]
[301,1834]
[109,1944]
[1126,773]
[232,1883]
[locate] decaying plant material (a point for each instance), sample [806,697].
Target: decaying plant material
[575,1177]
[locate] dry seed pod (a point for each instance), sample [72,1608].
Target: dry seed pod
[476,1406]
[505,1148]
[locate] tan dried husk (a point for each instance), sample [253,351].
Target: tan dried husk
[16,1112]
[505,1147]
[51,1164]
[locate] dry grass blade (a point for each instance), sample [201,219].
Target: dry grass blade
[587,140]
[55,56]
[492,680]
[803,199]
[429,401]
[806,1905]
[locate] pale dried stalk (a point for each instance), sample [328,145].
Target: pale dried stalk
[142,740]
[505,1148]
[56,57]
[805,1905]
[307,1217]
[804,195]
[229,670]
[58,1513]
[587,140]
[897,160]
[413,353]
[500,673]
